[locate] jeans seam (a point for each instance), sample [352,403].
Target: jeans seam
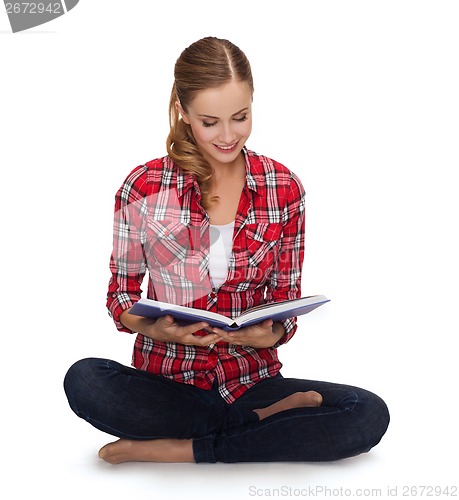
[122,435]
[356,400]
[270,420]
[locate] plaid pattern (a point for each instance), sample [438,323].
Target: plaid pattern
[160,227]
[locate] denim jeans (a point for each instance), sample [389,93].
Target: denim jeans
[134,404]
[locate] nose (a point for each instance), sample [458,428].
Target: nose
[227,135]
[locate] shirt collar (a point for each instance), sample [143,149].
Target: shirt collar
[254,174]
[185,181]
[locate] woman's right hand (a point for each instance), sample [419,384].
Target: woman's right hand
[165,329]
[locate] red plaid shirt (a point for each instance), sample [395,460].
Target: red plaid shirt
[161,227]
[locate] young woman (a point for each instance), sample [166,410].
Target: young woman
[221,228]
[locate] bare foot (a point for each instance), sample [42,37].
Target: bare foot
[154,450]
[296,400]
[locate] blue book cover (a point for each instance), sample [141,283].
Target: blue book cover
[277,311]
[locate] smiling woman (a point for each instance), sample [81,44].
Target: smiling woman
[219,100]
[228,130]
[198,393]
[220,133]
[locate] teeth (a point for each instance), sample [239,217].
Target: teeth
[226,147]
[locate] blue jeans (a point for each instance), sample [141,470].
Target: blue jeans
[134,404]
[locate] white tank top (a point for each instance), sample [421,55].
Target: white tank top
[221,246]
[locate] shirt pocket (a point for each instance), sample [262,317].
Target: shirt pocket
[168,242]
[262,242]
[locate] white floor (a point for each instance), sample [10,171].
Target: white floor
[60,461]
[51,452]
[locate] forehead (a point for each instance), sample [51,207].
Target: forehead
[222,101]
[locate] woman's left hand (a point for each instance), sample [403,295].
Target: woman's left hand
[264,334]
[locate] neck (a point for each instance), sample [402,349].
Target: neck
[229,172]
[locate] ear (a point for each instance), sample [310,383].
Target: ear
[184,116]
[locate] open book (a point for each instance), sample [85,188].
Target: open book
[277,311]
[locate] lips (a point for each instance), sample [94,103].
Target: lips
[226,149]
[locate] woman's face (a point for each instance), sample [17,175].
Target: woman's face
[221,121]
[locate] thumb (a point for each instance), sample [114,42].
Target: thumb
[168,320]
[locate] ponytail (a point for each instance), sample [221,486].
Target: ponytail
[182,148]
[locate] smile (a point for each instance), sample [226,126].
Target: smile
[226,149]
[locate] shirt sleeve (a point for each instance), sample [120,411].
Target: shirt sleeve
[285,282]
[127,261]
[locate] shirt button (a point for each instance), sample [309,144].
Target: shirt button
[213,295]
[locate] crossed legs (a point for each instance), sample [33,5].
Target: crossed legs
[276,420]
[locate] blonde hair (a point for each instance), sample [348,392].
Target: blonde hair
[208,63]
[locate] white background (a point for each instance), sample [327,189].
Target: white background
[360,99]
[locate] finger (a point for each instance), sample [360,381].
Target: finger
[167,320]
[195,327]
[219,332]
[230,339]
[212,338]
[224,333]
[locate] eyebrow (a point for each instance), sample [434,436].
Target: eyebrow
[217,118]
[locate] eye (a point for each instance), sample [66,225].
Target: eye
[208,124]
[241,119]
